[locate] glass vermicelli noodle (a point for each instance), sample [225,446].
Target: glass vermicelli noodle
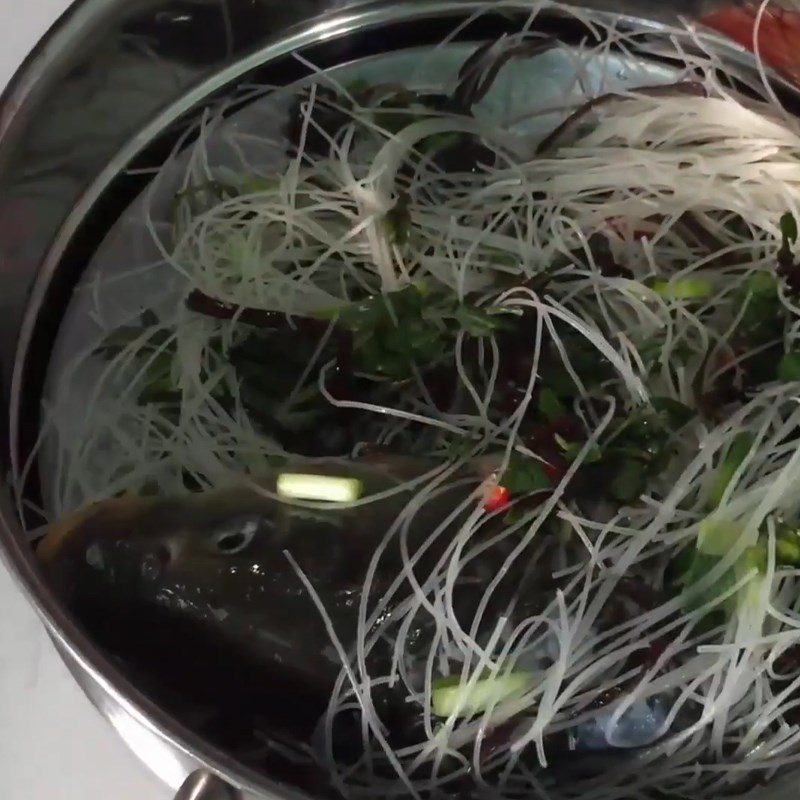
[571,326]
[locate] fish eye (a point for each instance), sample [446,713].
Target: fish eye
[232,542]
[237,536]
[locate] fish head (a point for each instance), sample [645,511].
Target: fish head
[205,554]
[221,570]
[186,593]
[230,544]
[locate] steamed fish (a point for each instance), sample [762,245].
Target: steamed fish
[200,599]
[199,590]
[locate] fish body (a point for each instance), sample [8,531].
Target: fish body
[199,603]
[200,587]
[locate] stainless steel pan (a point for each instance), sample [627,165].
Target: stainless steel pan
[71,119]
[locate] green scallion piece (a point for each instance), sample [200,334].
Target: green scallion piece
[684,289]
[451,696]
[787,551]
[736,454]
[717,536]
[324,488]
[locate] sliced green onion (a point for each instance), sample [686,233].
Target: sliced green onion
[717,536]
[787,551]
[737,453]
[684,289]
[451,696]
[325,488]
[755,558]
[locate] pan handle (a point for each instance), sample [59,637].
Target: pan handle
[202,785]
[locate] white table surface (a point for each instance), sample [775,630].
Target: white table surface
[53,744]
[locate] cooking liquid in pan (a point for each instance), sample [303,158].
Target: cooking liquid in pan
[211,614]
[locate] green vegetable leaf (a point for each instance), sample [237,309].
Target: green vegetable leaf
[550,407]
[415,324]
[651,349]
[629,481]
[524,476]
[789,367]
[572,449]
[478,322]
[787,549]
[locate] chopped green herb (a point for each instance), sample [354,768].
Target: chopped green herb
[524,476]
[572,449]
[550,407]
[477,322]
[737,452]
[629,481]
[416,324]
[760,283]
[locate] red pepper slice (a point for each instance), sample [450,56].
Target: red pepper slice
[498,498]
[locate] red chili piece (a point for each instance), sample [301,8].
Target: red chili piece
[498,498]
